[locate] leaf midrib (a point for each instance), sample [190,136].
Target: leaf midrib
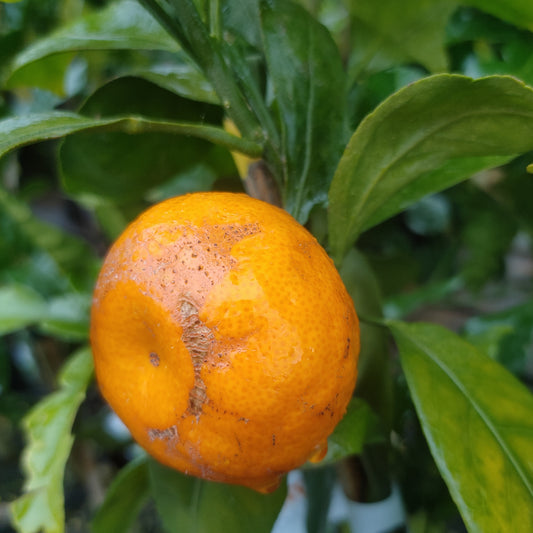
[375,182]
[477,408]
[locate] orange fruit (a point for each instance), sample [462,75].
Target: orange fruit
[224,338]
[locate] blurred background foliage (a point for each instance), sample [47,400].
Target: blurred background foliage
[462,257]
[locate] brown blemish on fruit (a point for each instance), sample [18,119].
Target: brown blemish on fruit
[347,350]
[169,433]
[197,338]
[154,359]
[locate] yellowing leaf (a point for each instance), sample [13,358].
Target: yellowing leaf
[477,419]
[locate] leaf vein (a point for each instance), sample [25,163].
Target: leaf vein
[492,428]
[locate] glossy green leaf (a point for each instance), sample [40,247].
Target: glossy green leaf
[191,504]
[27,129]
[123,167]
[301,56]
[123,25]
[477,420]
[49,440]
[20,306]
[124,498]
[183,21]
[389,32]
[424,138]
[242,18]
[182,79]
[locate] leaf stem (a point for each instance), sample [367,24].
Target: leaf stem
[214,134]
[215,25]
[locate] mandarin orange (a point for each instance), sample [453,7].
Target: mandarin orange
[224,338]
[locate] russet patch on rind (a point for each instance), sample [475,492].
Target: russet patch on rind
[197,338]
[169,433]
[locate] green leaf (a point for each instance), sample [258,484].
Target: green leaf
[72,255]
[27,129]
[181,79]
[47,428]
[309,85]
[20,306]
[514,192]
[319,485]
[390,32]
[123,25]
[67,317]
[359,426]
[183,21]
[424,138]
[123,167]
[477,420]
[486,233]
[517,12]
[405,303]
[374,379]
[124,498]
[190,504]
[242,18]
[507,336]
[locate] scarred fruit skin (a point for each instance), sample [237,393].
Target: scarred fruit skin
[224,338]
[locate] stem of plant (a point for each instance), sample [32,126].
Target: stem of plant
[182,20]
[215,26]
[241,99]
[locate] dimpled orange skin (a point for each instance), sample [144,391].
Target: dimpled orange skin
[224,338]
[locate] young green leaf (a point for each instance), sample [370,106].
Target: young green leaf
[422,139]
[123,25]
[124,498]
[477,420]
[309,85]
[48,431]
[191,504]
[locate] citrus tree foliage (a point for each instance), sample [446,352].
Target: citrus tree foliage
[399,132]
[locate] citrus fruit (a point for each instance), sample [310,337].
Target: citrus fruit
[224,338]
